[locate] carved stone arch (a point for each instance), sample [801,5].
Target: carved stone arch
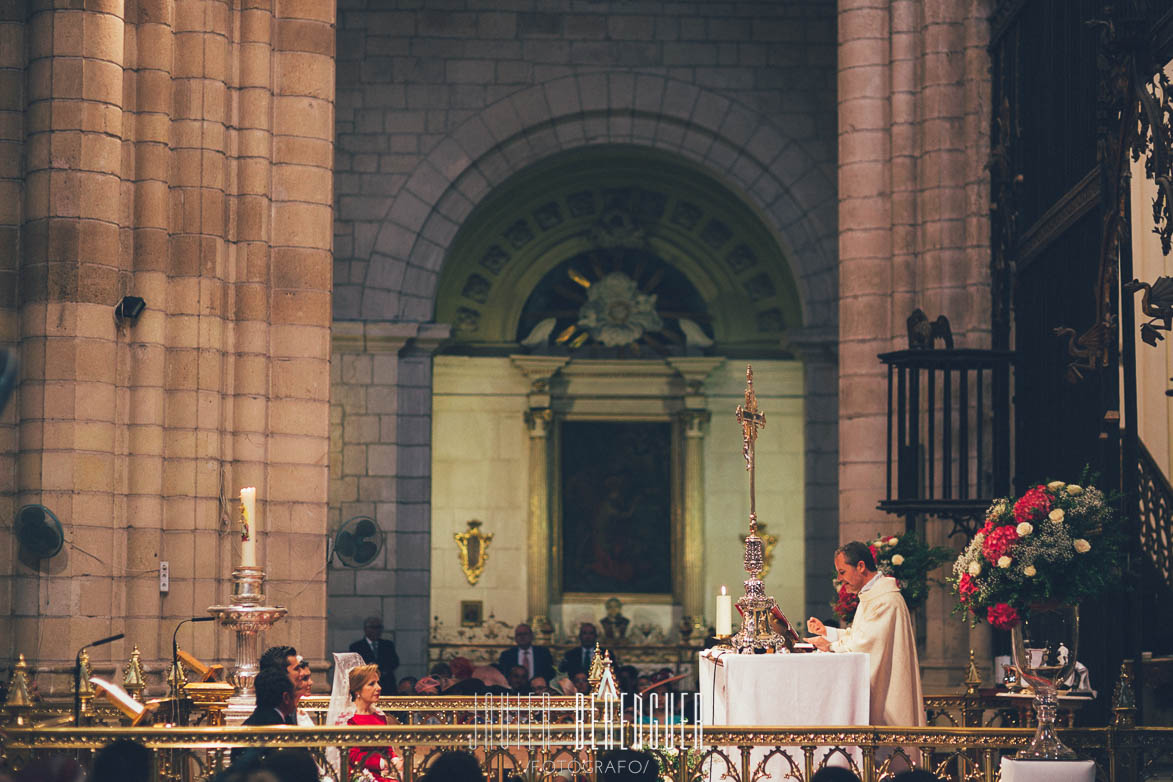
[773,173]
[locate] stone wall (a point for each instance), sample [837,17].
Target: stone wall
[180,151]
[380,467]
[439,104]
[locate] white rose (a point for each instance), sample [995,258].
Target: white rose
[1029,571]
[975,568]
[1056,515]
[1024,529]
[898,559]
[1056,485]
[1074,490]
[893,541]
[1082,546]
[1003,561]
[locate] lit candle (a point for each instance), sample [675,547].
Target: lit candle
[724,613]
[249,527]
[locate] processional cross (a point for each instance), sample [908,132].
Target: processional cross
[751,419]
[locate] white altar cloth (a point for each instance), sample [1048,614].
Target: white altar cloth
[786,690]
[1048,770]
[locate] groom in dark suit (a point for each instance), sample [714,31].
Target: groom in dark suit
[276,705]
[379,651]
[537,660]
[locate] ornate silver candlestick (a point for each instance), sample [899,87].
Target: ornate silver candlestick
[249,618]
[756,606]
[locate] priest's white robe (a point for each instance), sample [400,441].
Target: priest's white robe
[883,629]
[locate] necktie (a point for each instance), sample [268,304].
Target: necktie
[527,662]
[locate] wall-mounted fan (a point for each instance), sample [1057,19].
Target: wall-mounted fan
[358,541]
[38,531]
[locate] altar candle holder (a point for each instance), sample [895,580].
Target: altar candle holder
[248,616]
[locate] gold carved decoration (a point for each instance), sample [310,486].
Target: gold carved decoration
[770,541]
[474,550]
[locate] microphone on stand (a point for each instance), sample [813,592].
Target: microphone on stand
[175,655]
[77,675]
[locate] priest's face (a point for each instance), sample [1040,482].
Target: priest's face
[853,578]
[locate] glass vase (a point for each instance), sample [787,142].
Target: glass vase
[1045,647]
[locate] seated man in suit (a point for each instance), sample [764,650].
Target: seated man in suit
[578,659]
[276,705]
[379,651]
[536,660]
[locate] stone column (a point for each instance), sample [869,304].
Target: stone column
[538,553]
[694,421]
[70,281]
[539,418]
[913,216]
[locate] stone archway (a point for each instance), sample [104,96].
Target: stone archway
[771,172]
[385,302]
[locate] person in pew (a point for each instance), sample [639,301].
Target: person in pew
[537,660]
[381,762]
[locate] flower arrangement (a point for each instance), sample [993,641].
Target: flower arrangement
[1057,543]
[906,558]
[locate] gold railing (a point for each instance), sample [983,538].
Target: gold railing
[540,752]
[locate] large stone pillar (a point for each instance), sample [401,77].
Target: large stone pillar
[913,217]
[182,155]
[71,459]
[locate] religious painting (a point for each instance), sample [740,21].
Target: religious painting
[616,507]
[472,613]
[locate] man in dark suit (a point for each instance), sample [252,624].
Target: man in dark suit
[378,651]
[276,699]
[537,660]
[276,705]
[578,660]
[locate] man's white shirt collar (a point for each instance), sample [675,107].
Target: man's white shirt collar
[871,583]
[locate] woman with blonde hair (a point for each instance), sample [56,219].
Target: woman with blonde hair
[365,691]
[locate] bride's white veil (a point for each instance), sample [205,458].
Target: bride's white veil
[341,708]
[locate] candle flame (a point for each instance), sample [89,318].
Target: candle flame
[722,589]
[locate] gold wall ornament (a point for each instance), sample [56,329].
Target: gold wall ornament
[474,550]
[769,541]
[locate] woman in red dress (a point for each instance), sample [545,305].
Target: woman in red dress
[376,762]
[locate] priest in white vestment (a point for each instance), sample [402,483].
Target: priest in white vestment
[883,629]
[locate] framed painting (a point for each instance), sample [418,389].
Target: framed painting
[616,507]
[472,613]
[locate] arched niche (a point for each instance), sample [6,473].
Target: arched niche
[606,199]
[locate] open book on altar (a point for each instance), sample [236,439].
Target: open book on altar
[123,701]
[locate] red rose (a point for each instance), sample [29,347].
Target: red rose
[998,543]
[1033,505]
[966,587]
[1002,616]
[875,556]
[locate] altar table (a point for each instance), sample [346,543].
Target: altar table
[1048,770]
[786,690]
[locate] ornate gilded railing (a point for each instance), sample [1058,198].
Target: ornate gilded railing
[539,752]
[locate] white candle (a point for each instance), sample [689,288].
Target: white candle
[248,539]
[724,613]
